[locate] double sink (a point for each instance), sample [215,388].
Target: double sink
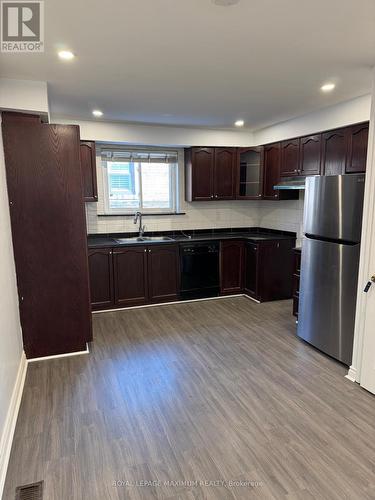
[143,239]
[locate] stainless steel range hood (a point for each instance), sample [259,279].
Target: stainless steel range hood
[291,183]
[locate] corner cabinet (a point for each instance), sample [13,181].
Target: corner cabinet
[210,173]
[269,270]
[88,169]
[231,266]
[250,173]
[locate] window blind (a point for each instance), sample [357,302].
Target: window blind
[135,156]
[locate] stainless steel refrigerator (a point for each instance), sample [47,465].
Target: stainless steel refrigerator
[330,261]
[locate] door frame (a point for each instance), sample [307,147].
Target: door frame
[362,327]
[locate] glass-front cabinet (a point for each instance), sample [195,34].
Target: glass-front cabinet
[250,174]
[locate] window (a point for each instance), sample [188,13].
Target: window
[140,180]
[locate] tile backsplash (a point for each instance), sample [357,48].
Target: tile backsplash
[283,215]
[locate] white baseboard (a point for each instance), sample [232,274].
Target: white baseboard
[11,419]
[169,303]
[68,354]
[352,374]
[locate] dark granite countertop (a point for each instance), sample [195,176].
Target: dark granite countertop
[251,234]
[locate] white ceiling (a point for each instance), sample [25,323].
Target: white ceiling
[190,62]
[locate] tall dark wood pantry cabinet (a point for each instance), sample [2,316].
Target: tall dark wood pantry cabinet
[49,234]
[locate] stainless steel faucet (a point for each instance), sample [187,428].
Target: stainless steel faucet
[141,229]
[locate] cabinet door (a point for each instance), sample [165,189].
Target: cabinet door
[334,151]
[310,155]
[202,166]
[130,276]
[275,270]
[163,273]
[357,149]
[101,278]
[249,177]
[49,235]
[271,171]
[251,270]
[231,266]
[224,173]
[289,158]
[88,169]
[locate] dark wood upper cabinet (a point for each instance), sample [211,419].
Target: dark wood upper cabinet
[310,155]
[49,235]
[199,165]
[334,151]
[271,171]
[357,148]
[231,266]
[163,273]
[289,158]
[101,278]
[249,177]
[224,173]
[210,174]
[88,168]
[130,276]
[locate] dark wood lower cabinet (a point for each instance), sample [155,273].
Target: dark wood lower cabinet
[231,266]
[269,270]
[133,276]
[130,276]
[163,273]
[296,278]
[101,278]
[251,267]
[138,275]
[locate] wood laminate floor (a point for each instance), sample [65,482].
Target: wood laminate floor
[219,394]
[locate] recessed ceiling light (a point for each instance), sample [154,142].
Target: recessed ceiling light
[239,123]
[66,55]
[225,3]
[97,113]
[327,87]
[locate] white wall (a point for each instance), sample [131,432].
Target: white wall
[10,329]
[24,96]
[345,113]
[157,135]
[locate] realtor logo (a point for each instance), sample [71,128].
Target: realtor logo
[22,26]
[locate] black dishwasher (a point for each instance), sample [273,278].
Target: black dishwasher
[199,269]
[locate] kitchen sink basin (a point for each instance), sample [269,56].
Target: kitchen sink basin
[144,239]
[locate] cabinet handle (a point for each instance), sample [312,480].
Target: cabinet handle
[145,250]
[212,196]
[149,250]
